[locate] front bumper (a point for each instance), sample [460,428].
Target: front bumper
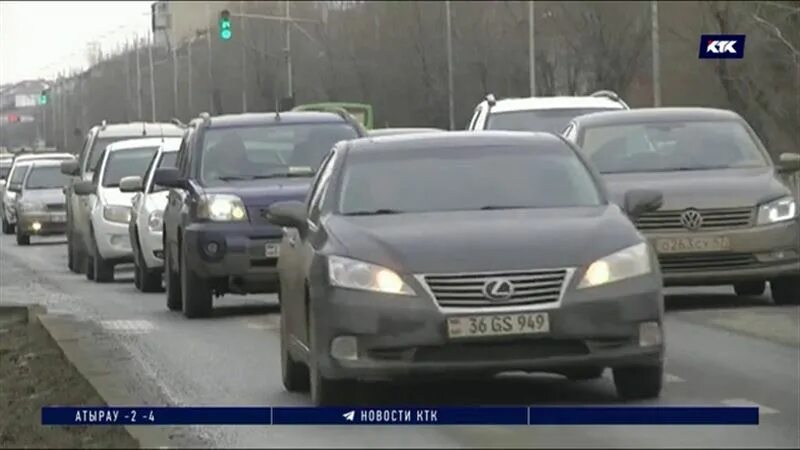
[113,240]
[240,255]
[399,336]
[42,223]
[755,254]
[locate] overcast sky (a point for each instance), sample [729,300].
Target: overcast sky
[39,38]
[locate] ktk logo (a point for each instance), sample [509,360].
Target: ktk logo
[722,46]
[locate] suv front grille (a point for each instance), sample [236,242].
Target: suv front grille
[712,219]
[708,261]
[466,290]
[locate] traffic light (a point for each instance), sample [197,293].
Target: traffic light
[43,97]
[225,31]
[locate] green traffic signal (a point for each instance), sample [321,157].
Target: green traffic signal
[43,98]
[225,31]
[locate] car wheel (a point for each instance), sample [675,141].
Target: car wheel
[137,275]
[103,271]
[22,239]
[88,267]
[636,383]
[750,288]
[172,280]
[584,373]
[325,391]
[71,259]
[295,374]
[7,227]
[786,290]
[195,292]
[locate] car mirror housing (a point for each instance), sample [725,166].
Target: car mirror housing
[84,188]
[131,184]
[290,214]
[169,177]
[70,167]
[640,201]
[789,162]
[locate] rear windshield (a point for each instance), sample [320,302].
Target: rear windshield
[126,163]
[99,147]
[235,153]
[46,177]
[545,120]
[671,145]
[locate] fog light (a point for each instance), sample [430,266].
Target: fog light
[116,239]
[158,254]
[36,226]
[212,248]
[345,347]
[778,255]
[649,334]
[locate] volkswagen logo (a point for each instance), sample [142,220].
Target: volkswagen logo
[498,289]
[691,219]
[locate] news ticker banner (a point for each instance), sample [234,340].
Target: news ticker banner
[591,415]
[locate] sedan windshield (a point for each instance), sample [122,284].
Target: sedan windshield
[126,163]
[546,120]
[46,177]
[470,178]
[670,146]
[245,153]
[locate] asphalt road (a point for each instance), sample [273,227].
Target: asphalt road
[722,350]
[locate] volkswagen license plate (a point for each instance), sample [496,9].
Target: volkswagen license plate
[498,325]
[693,244]
[272,250]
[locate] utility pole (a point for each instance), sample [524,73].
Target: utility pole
[656,54]
[449,66]
[152,78]
[174,49]
[189,76]
[127,79]
[532,46]
[140,115]
[210,63]
[64,120]
[289,87]
[244,59]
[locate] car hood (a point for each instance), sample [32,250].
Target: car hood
[724,188]
[46,196]
[113,196]
[475,241]
[265,192]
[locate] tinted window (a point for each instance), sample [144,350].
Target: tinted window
[4,170]
[99,147]
[466,179]
[46,177]
[167,160]
[547,120]
[19,174]
[667,146]
[126,163]
[247,152]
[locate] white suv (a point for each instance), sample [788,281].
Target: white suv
[547,114]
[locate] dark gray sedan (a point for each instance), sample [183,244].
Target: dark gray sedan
[465,254]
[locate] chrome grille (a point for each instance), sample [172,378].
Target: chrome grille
[707,261]
[56,207]
[713,219]
[466,290]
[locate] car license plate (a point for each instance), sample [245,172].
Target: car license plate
[272,250]
[497,325]
[693,244]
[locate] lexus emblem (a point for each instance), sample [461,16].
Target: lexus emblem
[691,219]
[498,289]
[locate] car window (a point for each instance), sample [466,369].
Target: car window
[321,186]
[232,153]
[46,177]
[19,174]
[546,120]
[126,163]
[99,146]
[168,159]
[4,171]
[673,145]
[468,178]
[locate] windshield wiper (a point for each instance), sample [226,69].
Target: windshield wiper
[234,178]
[374,212]
[491,207]
[283,175]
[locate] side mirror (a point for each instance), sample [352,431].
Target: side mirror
[169,177]
[131,184]
[70,167]
[789,162]
[290,214]
[84,187]
[639,201]
[15,188]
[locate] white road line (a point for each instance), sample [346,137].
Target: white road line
[670,378]
[128,326]
[744,402]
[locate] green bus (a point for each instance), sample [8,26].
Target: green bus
[360,111]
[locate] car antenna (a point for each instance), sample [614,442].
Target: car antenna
[161,128]
[144,129]
[277,109]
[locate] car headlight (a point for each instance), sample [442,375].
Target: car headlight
[777,211]
[353,274]
[29,206]
[155,220]
[116,213]
[626,263]
[222,208]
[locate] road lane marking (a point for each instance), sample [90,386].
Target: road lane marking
[128,326]
[670,378]
[744,402]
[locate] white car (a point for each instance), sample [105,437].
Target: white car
[110,208]
[547,114]
[19,168]
[146,224]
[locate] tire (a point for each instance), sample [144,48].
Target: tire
[146,280]
[786,290]
[294,374]
[750,288]
[195,292]
[173,282]
[7,227]
[584,373]
[639,383]
[325,391]
[103,271]
[72,260]
[22,239]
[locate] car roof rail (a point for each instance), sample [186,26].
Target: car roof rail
[103,124]
[609,94]
[344,114]
[177,122]
[205,116]
[490,100]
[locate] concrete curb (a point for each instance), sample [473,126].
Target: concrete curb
[105,364]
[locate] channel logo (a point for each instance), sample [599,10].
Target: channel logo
[722,46]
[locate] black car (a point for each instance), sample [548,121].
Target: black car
[230,169]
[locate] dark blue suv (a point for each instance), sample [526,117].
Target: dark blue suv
[230,169]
